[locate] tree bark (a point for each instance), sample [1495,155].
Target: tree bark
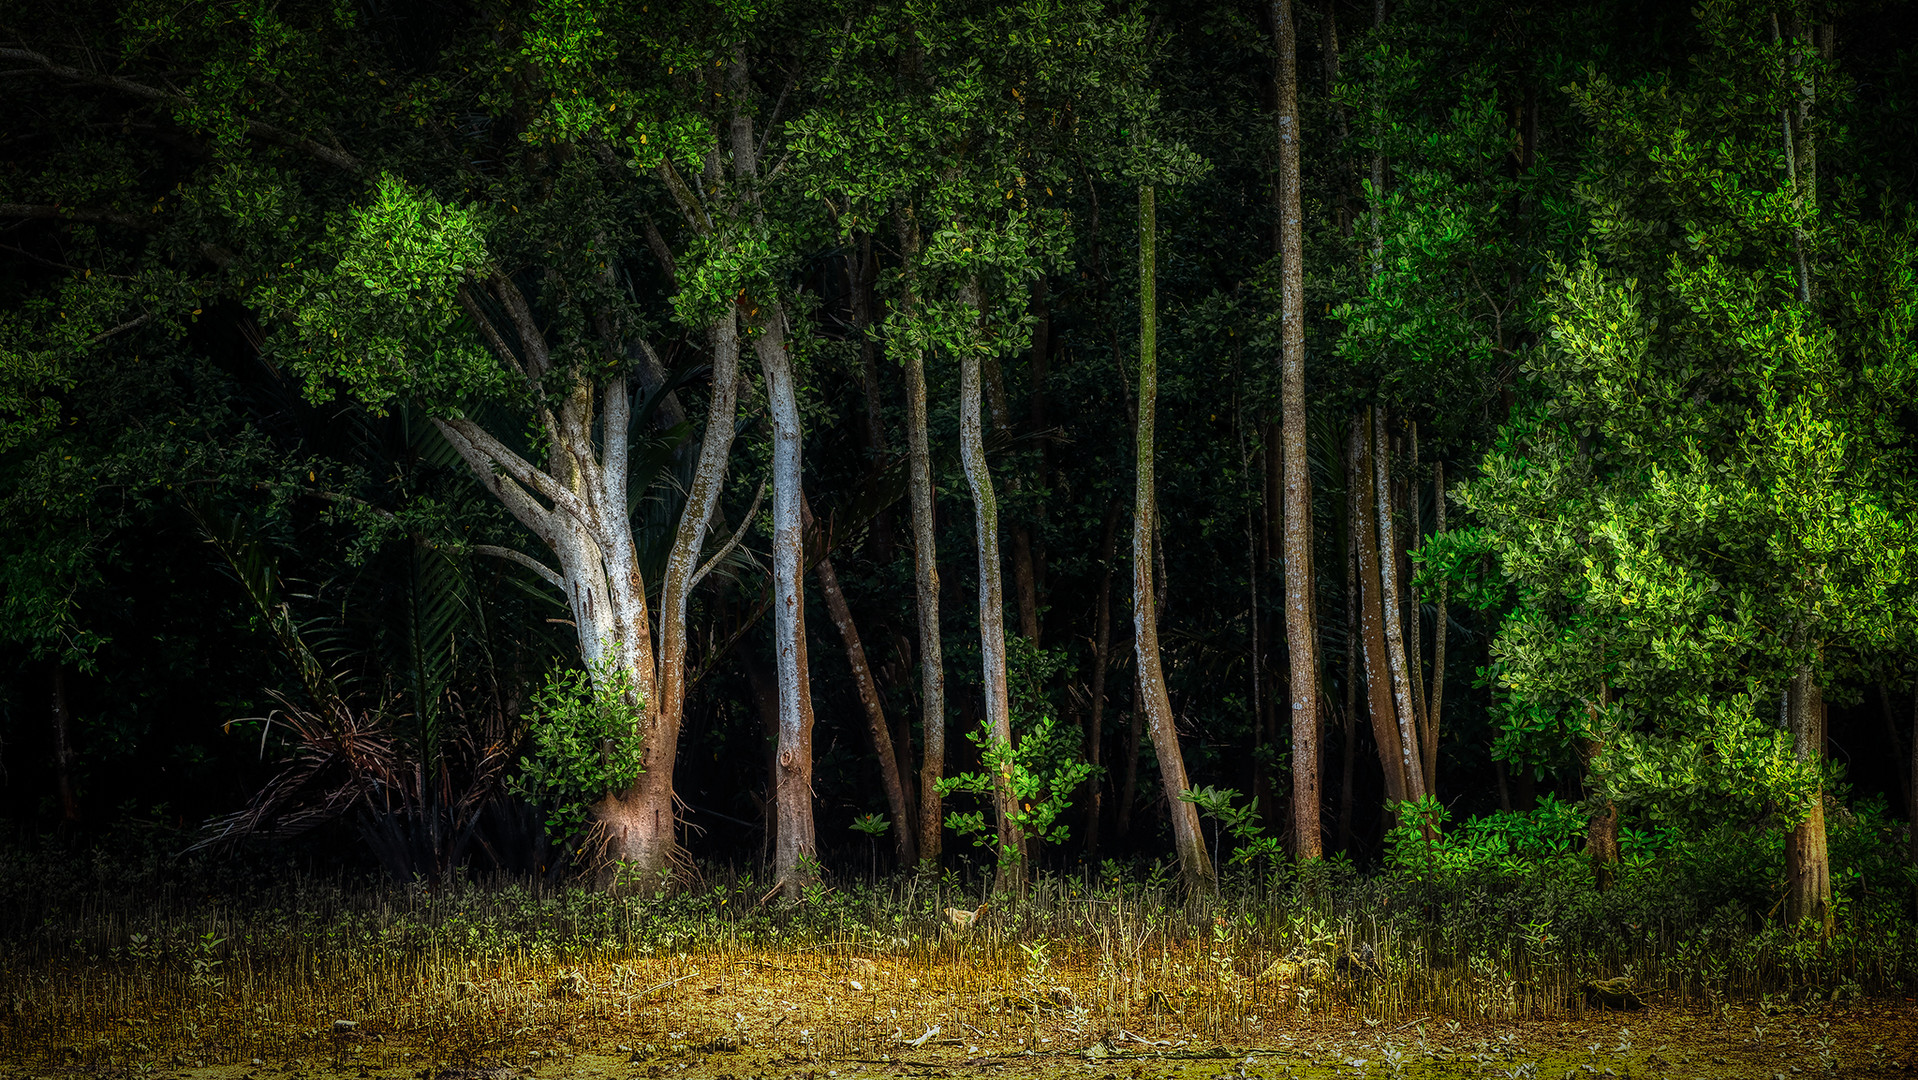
[1378,680]
[1301,622]
[797,843]
[1807,862]
[925,564]
[1101,659]
[1011,877]
[1388,557]
[876,727]
[1195,866]
[1601,827]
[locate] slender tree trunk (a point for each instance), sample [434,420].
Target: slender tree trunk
[1435,700]
[903,831]
[1807,862]
[1301,622]
[925,563]
[1601,827]
[765,692]
[1601,832]
[1911,805]
[1378,680]
[63,748]
[1388,597]
[797,844]
[1894,740]
[1025,585]
[1255,514]
[1414,613]
[1038,359]
[864,268]
[1011,879]
[1349,748]
[1101,660]
[1195,866]
[1135,735]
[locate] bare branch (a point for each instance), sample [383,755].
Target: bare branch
[731,541]
[490,332]
[507,488]
[689,204]
[547,574]
[660,251]
[530,337]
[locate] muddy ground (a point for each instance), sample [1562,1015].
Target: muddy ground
[819,1015]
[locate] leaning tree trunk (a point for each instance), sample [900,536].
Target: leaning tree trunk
[1807,861]
[1388,556]
[1195,866]
[1378,684]
[876,727]
[925,565]
[1301,622]
[1011,878]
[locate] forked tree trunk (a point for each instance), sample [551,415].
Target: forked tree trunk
[925,565]
[876,727]
[1378,680]
[1807,861]
[1011,852]
[1301,621]
[1195,866]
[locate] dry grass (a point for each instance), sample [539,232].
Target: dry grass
[313,977]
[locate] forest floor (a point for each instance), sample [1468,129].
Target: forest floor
[813,1014]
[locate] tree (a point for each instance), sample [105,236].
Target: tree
[1301,616]
[1704,523]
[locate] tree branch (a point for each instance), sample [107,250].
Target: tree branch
[731,541]
[546,573]
[259,128]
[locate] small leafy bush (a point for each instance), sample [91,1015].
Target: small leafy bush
[586,744]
